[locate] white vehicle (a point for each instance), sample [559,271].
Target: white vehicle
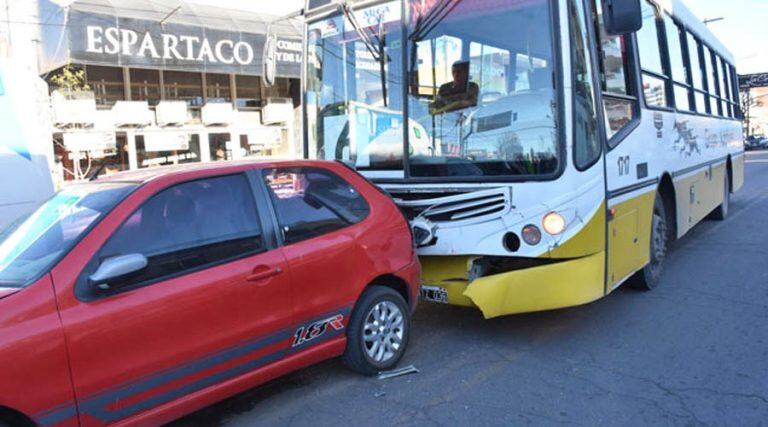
[568,151]
[25,141]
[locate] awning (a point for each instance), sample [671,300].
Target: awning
[152,34]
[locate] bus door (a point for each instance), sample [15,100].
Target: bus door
[626,202]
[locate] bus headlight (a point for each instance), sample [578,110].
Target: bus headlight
[553,223]
[531,234]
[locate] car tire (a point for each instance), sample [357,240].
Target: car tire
[721,212]
[649,277]
[378,331]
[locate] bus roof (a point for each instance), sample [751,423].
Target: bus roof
[679,10]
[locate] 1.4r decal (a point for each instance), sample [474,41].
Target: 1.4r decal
[314,330]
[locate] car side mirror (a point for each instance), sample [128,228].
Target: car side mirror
[622,16]
[116,267]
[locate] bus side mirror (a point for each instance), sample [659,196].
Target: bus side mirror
[622,16]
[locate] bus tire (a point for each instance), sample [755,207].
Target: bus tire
[380,320]
[649,276]
[721,212]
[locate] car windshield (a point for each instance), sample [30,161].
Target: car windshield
[481,98]
[33,245]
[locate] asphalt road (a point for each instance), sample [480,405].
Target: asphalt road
[692,352]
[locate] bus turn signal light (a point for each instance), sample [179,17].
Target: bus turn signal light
[553,223]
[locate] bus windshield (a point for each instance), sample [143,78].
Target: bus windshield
[480,88]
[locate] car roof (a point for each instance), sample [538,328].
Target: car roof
[144,175]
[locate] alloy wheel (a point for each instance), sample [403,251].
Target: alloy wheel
[383,331]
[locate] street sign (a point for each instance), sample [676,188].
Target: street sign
[750,81]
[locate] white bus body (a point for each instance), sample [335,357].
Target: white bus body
[25,144]
[607,160]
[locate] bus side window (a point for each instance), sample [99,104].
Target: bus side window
[616,78]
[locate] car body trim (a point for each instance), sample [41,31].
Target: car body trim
[98,404]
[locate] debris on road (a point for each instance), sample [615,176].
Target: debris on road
[410,369]
[380,394]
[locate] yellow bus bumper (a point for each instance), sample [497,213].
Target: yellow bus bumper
[563,284]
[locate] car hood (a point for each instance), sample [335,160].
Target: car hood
[4,292]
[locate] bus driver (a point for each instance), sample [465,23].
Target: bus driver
[457,94]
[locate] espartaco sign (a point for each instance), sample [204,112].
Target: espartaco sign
[109,40]
[114,41]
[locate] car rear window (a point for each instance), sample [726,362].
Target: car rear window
[310,202]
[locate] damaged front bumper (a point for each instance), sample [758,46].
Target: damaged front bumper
[552,285]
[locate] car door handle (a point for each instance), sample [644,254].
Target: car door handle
[263,272]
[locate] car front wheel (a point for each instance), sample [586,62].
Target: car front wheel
[378,331]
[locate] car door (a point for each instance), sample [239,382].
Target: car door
[212,304]
[315,211]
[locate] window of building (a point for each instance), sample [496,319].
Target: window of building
[150,155]
[106,83]
[220,146]
[679,70]
[113,161]
[311,202]
[281,89]
[655,79]
[81,165]
[183,86]
[248,91]
[217,88]
[145,85]
[586,143]
[190,226]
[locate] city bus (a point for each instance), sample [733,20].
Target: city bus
[545,151]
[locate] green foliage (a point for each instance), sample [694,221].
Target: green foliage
[70,79]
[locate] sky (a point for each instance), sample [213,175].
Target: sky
[744,30]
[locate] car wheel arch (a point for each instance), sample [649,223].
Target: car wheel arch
[14,418]
[390,281]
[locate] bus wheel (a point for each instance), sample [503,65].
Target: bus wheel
[648,278]
[721,212]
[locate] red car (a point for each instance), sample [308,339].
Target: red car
[143,296]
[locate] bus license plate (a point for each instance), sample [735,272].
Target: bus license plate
[434,294]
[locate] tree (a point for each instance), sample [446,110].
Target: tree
[748,102]
[70,79]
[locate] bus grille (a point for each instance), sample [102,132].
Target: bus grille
[453,205]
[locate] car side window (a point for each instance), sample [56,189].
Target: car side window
[310,202]
[190,226]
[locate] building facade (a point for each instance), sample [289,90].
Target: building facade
[754,100]
[136,84]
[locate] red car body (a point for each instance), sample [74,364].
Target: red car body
[155,353]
